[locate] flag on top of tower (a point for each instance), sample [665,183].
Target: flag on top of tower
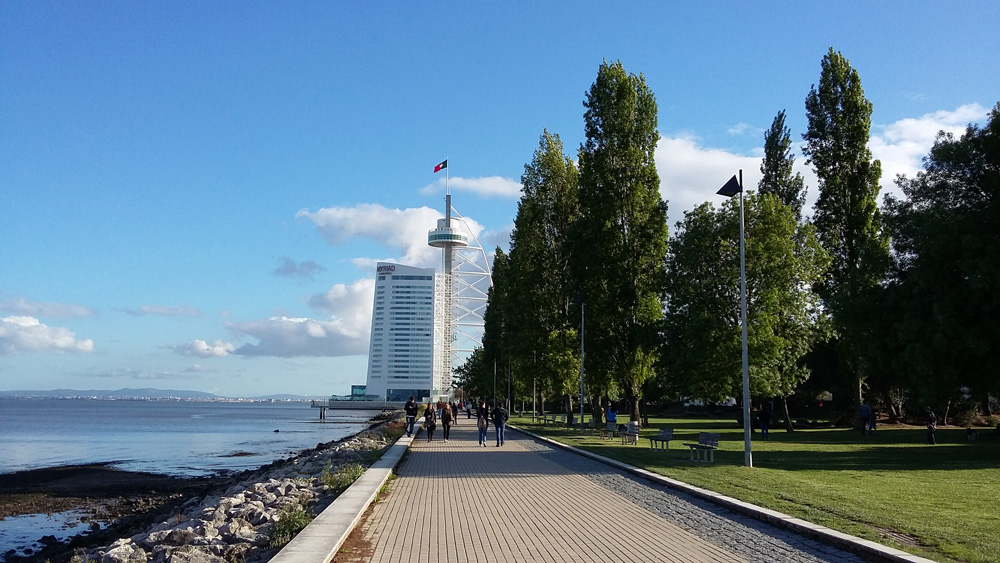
[441,166]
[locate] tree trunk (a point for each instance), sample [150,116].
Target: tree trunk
[569,409]
[858,379]
[633,407]
[596,411]
[788,417]
[987,411]
[947,409]
[895,414]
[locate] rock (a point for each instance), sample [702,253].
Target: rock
[124,551]
[190,554]
[237,530]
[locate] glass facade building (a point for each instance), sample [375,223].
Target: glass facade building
[401,353]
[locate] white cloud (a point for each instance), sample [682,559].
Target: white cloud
[401,230]
[901,146]
[290,337]
[162,310]
[27,334]
[690,174]
[25,307]
[489,186]
[202,349]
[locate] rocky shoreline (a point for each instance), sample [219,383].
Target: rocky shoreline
[162,519]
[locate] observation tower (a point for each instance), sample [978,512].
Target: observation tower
[461,291]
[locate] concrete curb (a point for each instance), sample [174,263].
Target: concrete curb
[320,541]
[819,533]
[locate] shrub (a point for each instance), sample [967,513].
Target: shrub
[290,521]
[964,414]
[338,480]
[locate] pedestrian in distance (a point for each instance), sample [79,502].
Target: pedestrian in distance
[454,413]
[468,409]
[931,425]
[430,421]
[499,423]
[411,415]
[764,418]
[872,421]
[482,422]
[865,414]
[446,420]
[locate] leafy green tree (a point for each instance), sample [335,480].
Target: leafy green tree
[776,168]
[621,236]
[847,218]
[947,266]
[702,313]
[539,267]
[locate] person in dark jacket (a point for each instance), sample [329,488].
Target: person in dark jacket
[500,423]
[482,422]
[446,420]
[931,425]
[430,420]
[411,415]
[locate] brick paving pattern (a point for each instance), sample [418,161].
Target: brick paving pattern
[527,501]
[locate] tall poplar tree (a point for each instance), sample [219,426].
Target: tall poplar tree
[621,236]
[776,168]
[847,217]
[545,344]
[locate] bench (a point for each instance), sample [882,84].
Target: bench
[705,448]
[609,431]
[662,440]
[591,426]
[631,433]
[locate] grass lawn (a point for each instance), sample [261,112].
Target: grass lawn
[941,502]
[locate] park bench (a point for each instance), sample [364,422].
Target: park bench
[610,430]
[705,448]
[631,433]
[591,426]
[662,439]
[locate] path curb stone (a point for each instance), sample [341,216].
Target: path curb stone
[819,533]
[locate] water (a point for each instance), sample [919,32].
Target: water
[180,438]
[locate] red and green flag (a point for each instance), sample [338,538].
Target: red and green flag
[441,166]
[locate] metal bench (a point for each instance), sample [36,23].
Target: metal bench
[705,448]
[631,433]
[610,430]
[662,440]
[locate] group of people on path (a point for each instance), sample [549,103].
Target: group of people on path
[449,416]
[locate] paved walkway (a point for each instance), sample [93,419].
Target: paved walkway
[527,501]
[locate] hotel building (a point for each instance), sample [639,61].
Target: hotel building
[401,355]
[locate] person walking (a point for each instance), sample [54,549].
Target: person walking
[446,420]
[764,417]
[411,415]
[482,422]
[865,414]
[499,423]
[931,425]
[430,421]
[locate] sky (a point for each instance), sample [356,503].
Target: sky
[193,195]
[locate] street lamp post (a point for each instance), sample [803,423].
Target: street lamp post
[583,307]
[733,187]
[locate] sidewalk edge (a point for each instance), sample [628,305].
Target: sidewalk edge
[320,541]
[819,533]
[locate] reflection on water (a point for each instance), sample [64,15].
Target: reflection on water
[21,533]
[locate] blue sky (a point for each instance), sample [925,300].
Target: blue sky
[193,195]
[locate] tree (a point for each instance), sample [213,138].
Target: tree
[947,266]
[702,313]
[776,168]
[621,236]
[847,218]
[539,281]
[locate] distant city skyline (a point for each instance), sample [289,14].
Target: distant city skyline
[196,196]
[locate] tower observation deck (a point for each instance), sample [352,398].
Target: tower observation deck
[460,300]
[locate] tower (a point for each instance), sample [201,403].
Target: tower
[461,292]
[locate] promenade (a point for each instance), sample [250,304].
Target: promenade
[528,501]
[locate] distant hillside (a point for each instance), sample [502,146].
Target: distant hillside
[146,393]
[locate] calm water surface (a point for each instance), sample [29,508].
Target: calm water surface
[172,437]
